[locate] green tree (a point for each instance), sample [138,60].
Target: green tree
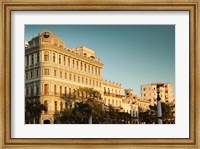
[33,110]
[150,116]
[87,106]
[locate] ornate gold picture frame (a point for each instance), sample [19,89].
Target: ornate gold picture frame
[130,5]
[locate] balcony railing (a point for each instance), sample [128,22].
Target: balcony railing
[32,66]
[49,94]
[112,94]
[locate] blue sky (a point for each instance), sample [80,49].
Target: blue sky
[132,55]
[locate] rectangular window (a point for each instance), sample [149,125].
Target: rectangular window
[46,105]
[46,56]
[46,89]
[88,68]
[77,65]
[54,89]
[37,73]
[78,79]
[81,66]
[59,59]
[70,77]
[65,75]
[32,91]
[64,60]
[61,106]
[60,90]
[69,91]
[54,57]
[68,62]
[32,59]
[26,75]
[46,71]
[74,77]
[54,72]
[85,67]
[38,57]
[65,90]
[55,105]
[27,60]
[92,70]
[31,74]
[73,63]
[37,89]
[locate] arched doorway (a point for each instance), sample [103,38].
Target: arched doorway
[46,122]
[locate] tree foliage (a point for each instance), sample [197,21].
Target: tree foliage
[150,116]
[33,110]
[87,103]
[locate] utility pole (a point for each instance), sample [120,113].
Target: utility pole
[159,108]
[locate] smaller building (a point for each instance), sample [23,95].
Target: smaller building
[149,92]
[112,93]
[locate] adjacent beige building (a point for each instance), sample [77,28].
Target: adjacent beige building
[112,93]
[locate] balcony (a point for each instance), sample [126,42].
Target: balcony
[112,94]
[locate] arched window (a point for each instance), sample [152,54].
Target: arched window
[104,89]
[46,56]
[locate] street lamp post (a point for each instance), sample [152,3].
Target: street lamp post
[159,108]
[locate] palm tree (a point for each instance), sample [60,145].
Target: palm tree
[92,98]
[87,105]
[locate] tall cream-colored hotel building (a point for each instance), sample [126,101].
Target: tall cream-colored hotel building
[52,70]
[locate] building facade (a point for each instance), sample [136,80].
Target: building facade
[149,92]
[53,71]
[112,94]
